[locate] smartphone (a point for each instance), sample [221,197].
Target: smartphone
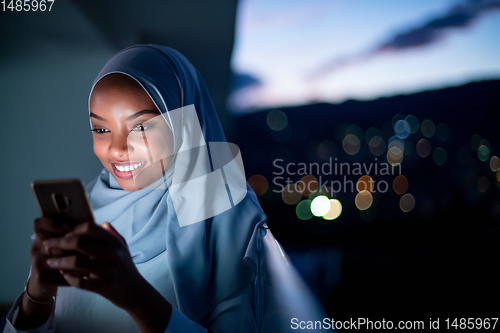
[63,199]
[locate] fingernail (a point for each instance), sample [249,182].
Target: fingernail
[52,262]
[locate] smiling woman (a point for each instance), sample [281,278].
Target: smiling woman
[121,113]
[141,266]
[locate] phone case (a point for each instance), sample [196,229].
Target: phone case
[63,198]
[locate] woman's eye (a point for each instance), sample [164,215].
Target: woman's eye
[99,130]
[140,128]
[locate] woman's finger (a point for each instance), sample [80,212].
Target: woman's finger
[93,230]
[82,282]
[46,227]
[77,263]
[82,243]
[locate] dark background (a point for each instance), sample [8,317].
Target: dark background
[440,259]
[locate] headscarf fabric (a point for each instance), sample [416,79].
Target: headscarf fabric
[212,244]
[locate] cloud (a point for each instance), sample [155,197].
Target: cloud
[459,17]
[243,85]
[243,80]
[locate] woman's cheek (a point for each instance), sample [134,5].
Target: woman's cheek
[154,149]
[161,147]
[100,151]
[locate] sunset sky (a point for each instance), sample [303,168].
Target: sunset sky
[290,52]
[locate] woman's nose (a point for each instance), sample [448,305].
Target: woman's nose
[120,147]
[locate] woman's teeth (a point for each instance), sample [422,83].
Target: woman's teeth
[129,167]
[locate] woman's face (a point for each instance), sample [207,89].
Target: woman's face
[131,137]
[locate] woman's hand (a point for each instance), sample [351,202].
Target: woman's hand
[43,280]
[96,258]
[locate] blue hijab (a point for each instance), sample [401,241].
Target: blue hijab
[209,259]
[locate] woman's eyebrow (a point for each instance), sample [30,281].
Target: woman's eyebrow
[140,113]
[96,116]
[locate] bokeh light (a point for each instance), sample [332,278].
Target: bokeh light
[365,183]
[483,153]
[291,194]
[428,128]
[494,163]
[413,122]
[303,210]
[351,144]
[320,205]
[259,184]
[354,130]
[397,117]
[407,202]
[400,184]
[483,184]
[485,142]
[396,141]
[308,184]
[335,210]
[443,131]
[402,129]
[363,200]
[394,156]
[423,148]
[439,156]
[474,141]
[276,120]
[377,145]
[372,132]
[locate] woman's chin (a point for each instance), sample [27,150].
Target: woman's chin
[128,184]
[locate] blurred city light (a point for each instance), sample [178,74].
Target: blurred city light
[363,200]
[400,184]
[407,202]
[335,210]
[259,184]
[303,210]
[428,128]
[320,205]
[277,120]
[439,156]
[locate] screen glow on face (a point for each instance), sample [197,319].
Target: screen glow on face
[131,138]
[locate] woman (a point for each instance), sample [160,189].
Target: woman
[173,248]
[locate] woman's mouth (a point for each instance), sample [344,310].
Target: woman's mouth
[127,170]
